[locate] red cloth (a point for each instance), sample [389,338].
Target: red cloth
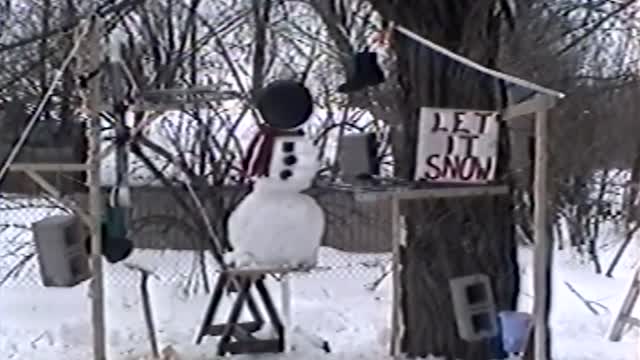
[260,150]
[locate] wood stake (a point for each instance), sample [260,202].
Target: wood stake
[396,307]
[95,197]
[146,308]
[543,248]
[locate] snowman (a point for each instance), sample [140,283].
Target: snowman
[276,225]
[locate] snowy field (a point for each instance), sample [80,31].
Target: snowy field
[336,304]
[39,323]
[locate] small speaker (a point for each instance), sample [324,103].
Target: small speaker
[61,252]
[357,156]
[474,307]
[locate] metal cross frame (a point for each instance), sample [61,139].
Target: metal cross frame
[155,101]
[90,56]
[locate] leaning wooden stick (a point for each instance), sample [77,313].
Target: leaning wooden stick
[146,306]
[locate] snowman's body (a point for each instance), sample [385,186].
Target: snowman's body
[276,225]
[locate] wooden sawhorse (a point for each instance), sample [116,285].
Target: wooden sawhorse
[237,337]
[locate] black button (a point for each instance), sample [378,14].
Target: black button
[290,160]
[285,174]
[287,146]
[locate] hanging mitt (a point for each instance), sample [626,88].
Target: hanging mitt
[115,245]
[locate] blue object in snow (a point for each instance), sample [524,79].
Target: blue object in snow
[516,328]
[497,345]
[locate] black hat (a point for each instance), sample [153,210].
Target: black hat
[365,72]
[285,104]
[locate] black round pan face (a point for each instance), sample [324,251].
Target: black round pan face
[285,104]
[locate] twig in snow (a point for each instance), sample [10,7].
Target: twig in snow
[590,304]
[374,285]
[313,339]
[44,335]
[386,268]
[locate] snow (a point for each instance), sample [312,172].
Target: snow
[41,323]
[38,323]
[578,334]
[335,303]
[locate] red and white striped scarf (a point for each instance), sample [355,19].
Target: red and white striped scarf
[260,151]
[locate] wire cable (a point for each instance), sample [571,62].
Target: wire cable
[463,60]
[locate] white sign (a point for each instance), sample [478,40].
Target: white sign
[457,146]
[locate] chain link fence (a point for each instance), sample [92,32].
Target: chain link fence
[356,245]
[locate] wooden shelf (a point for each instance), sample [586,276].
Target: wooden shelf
[69,167]
[430,193]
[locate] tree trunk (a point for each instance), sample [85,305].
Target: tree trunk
[448,238]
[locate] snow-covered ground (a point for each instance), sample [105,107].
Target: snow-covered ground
[38,323]
[335,303]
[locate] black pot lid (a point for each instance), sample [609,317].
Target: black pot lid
[285,104]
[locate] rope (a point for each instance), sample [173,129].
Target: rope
[461,59]
[45,99]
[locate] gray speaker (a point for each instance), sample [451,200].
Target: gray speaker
[61,251]
[474,307]
[357,156]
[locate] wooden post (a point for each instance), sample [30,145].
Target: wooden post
[396,306]
[95,197]
[543,247]
[287,317]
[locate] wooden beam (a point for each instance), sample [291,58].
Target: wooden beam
[249,326]
[176,99]
[198,92]
[543,249]
[257,271]
[452,192]
[532,106]
[147,106]
[285,305]
[48,187]
[62,167]
[396,303]
[444,192]
[91,60]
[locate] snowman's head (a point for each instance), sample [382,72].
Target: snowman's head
[285,104]
[294,164]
